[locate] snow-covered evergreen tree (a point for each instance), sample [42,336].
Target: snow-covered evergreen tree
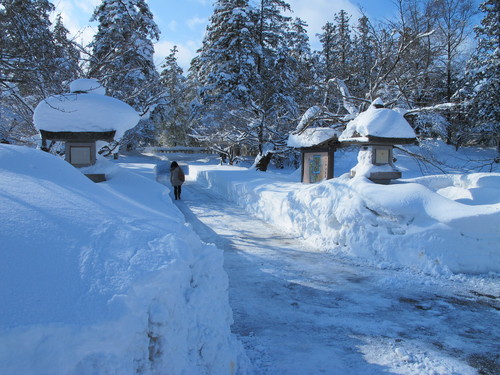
[363,58]
[482,92]
[122,60]
[226,72]
[122,52]
[274,104]
[226,63]
[30,64]
[328,40]
[67,54]
[247,70]
[337,46]
[304,65]
[171,115]
[338,59]
[27,45]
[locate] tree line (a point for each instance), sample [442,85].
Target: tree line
[255,73]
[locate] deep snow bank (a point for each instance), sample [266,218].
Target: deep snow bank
[104,278]
[424,223]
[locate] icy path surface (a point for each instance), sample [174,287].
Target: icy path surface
[300,311]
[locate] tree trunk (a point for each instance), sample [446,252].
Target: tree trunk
[263,162]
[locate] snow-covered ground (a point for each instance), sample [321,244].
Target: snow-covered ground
[105,278]
[302,310]
[108,278]
[439,224]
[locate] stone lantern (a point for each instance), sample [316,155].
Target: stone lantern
[377,131]
[81,118]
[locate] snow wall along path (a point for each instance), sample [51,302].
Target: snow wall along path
[403,224]
[105,278]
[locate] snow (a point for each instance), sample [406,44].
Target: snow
[344,275]
[377,122]
[311,137]
[87,85]
[307,118]
[300,310]
[365,166]
[85,112]
[406,224]
[105,277]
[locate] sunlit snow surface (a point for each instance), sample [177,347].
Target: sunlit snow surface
[343,275]
[104,278]
[304,309]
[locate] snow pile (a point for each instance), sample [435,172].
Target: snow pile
[377,122]
[87,85]
[417,223]
[366,168]
[311,137]
[82,111]
[105,278]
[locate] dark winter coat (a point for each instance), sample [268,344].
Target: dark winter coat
[177,177]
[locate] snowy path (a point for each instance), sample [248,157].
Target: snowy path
[299,311]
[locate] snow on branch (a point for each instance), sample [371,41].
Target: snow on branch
[318,113]
[434,108]
[347,98]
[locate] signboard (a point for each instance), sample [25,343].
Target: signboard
[315,167]
[382,155]
[80,155]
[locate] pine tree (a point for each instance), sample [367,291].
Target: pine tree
[122,52]
[306,85]
[363,58]
[328,40]
[171,115]
[66,54]
[344,43]
[246,76]
[28,64]
[225,71]
[337,45]
[226,63]
[273,103]
[483,77]
[27,46]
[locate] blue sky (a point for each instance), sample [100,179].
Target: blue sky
[183,22]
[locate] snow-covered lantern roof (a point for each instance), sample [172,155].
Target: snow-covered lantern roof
[377,129]
[317,147]
[313,137]
[378,125]
[82,117]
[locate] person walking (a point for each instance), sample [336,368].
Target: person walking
[177,178]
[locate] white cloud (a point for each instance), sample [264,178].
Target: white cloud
[195,22]
[202,2]
[75,17]
[172,25]
[87,6]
